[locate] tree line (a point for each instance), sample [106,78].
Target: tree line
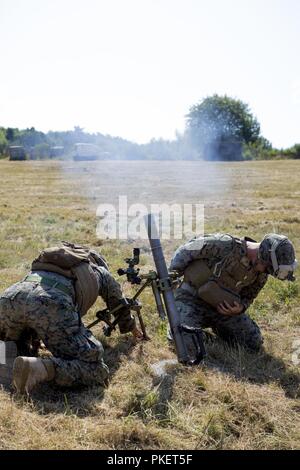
[217,128]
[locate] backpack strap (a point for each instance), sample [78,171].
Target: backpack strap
[237,244]
[86,286]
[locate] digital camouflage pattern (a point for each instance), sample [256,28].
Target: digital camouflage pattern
[228,255]
[197,313]
[76,354]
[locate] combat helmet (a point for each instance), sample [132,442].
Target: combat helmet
[278,253]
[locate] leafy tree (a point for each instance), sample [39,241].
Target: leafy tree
[293,152]
[31,137]
[219,127]
[10,134]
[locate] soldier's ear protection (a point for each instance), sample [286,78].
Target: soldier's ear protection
[284,272]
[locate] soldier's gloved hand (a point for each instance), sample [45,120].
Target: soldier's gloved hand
[230,310]
[137,333]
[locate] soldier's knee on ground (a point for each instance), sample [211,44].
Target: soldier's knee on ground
[78,373]
[254,343]
[86,368]
[251,336]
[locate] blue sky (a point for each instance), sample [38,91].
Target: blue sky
[133,68]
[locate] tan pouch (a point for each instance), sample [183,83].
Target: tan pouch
[214,294]
[197,273]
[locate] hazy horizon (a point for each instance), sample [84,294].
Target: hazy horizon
[133,69]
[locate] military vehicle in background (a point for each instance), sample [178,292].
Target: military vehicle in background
[89,152]
[57,151]
[16,153]
[86,152]
[45,152]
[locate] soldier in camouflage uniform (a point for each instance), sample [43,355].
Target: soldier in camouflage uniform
[45,303]
[218,265]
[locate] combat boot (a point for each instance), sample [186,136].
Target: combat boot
[30,371]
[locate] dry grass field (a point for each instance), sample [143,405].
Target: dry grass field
[235,400]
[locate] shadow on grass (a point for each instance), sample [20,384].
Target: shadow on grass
[260,367]
[80,401]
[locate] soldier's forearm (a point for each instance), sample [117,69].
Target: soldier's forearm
[126,321]
[111,293]
[109,289]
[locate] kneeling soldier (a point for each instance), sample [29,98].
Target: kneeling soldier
[222,277]
[48,304]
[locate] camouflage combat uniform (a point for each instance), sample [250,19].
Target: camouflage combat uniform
[215,250]
[53,314]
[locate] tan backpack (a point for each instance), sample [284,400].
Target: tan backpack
[74,262]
